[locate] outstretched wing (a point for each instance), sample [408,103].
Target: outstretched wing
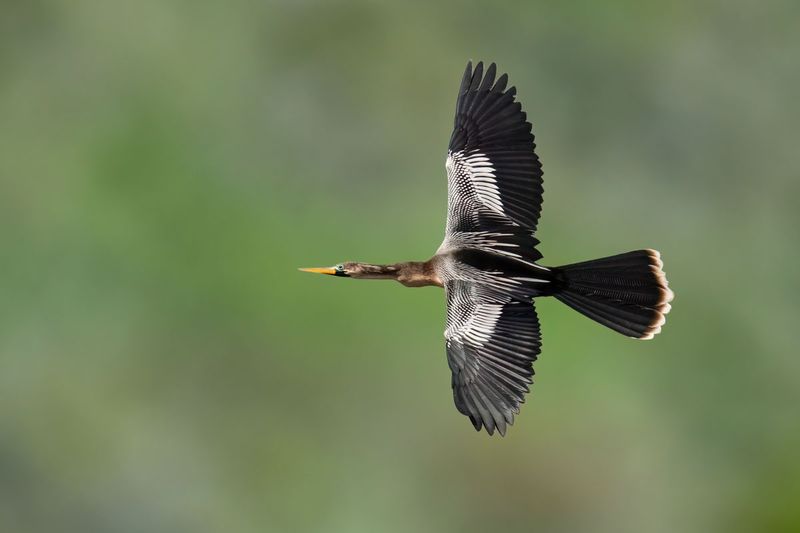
[492,342]
[494,176]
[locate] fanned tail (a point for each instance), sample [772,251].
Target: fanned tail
[628,292]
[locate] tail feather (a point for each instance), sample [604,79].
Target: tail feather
[628,293]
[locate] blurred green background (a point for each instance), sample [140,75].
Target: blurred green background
[165,167]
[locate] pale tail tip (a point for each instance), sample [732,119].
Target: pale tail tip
[663,307]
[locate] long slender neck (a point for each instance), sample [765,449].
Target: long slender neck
[410,273]
[370,271]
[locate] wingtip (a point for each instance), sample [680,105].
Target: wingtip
[477,76]
[475,423]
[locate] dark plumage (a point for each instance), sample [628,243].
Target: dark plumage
[488,266]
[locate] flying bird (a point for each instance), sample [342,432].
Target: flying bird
[489,267]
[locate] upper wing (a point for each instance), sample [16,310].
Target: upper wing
[494,176]
[492,343]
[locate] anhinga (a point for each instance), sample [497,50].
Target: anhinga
[488,266]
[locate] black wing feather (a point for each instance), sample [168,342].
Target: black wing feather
[489,121]
[492,343]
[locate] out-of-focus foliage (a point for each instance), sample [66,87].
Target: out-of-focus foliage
[165,166]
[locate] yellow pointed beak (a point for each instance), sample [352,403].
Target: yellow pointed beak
[330,271]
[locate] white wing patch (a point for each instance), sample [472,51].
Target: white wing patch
[475,171]
[478,327]
[484,180]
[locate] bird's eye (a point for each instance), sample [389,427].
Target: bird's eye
[340,268]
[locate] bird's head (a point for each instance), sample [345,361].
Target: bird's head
[337,270]
[357,270]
